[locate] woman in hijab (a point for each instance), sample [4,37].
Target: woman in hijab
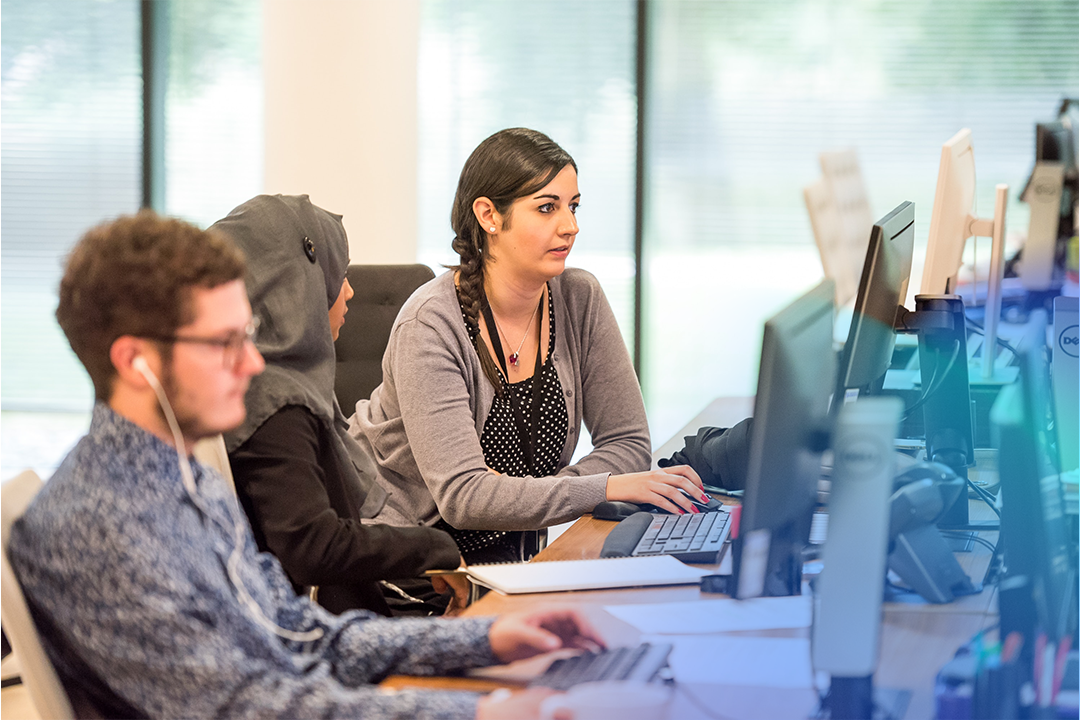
[304,482]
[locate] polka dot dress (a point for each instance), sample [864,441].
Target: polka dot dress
[502,442]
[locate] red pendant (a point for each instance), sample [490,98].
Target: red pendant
[513,359]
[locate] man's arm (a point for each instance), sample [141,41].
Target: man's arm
[143,597]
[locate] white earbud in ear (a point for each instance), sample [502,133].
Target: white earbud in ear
[140,364]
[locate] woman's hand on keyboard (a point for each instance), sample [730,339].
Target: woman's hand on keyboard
[516,636]
[663,488]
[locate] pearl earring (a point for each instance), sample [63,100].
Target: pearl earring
[492,228]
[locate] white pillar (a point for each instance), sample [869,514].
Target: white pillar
[340,93]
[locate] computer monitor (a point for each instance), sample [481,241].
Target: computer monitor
[952,222]
[882,289]
[939,322]
[1036,592]
[789,435]
[954,200]
[840,218]
[1050,193]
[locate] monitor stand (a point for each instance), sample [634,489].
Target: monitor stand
[858,697]
[947,412]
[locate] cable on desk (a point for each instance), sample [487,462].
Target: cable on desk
[966,536]
[986,497]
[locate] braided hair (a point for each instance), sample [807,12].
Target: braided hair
[507,166]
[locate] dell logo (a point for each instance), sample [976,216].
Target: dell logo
[1068,341]
[1046,190]
[860,456]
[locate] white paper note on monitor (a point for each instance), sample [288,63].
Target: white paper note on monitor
[714,616]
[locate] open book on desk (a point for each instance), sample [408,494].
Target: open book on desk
[599,574]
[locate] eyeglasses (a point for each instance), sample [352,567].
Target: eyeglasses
[232,345]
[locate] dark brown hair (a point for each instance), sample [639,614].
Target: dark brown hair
[508,166]
[134,276]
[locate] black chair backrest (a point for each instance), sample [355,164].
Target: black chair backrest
[380,290]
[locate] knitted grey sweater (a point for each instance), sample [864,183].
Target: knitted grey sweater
[423,424]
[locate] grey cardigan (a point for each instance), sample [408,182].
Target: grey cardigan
[423,424]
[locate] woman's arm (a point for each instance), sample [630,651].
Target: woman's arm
[611,405]
[427,375]
[282,482]
[610,399]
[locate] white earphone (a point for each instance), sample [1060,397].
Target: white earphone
[139,363]
[233,564]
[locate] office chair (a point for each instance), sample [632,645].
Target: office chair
[48,695]
[380,290]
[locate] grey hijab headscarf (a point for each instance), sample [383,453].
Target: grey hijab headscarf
[297,257]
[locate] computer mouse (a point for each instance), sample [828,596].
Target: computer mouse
[615,510]
[701,505]
[710,506]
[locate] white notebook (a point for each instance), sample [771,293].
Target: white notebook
[602,573]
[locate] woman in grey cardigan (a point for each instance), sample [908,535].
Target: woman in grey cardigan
[490,370]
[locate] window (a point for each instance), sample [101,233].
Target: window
[743,95]
[564,68]
[72,157]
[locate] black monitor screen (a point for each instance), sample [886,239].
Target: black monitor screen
[1054,143]
[1033,531]
[790,411]
[882,290]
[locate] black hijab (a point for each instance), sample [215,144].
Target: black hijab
[297,257]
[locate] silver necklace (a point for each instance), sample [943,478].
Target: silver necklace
[515,357]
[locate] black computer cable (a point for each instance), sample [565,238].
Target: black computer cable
[967,536]
[986,497]
[978,329]
[934,384]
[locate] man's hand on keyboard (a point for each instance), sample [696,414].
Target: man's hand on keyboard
[516,636]
[659,487]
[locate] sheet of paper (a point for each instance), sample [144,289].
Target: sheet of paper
[594,574]
[739,660]
[714,616]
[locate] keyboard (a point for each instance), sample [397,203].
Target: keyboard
[692,538]
[636,664]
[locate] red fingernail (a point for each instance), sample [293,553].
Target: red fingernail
[694,508]
[704,498]
[681,511]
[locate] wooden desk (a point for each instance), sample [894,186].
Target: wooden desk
[916,639]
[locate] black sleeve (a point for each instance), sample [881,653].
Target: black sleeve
[287,479]
[720,456]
